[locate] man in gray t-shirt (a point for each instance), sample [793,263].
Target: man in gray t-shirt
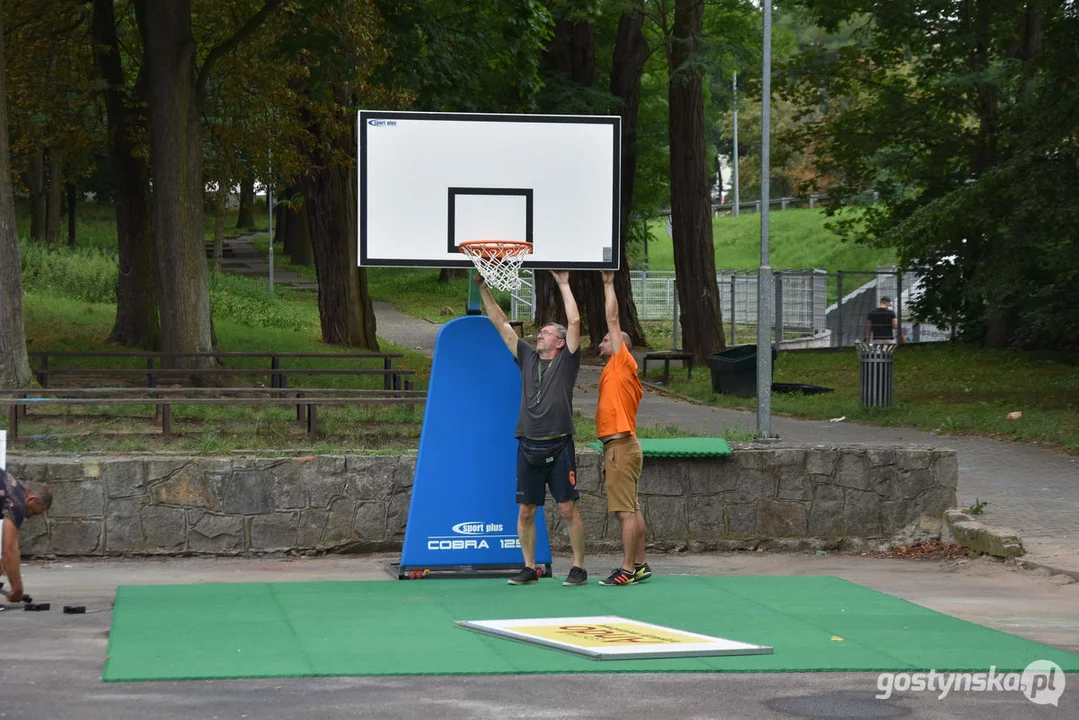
[545,452]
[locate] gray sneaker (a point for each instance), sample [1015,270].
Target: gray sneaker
[577,576]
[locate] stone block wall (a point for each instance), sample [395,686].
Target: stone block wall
[791,495]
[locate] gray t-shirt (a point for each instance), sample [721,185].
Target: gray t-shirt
[546,392]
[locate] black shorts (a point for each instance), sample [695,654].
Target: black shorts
[560,474]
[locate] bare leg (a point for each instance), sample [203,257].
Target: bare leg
[526,532]
[575,524]
[628,523]
[641,527]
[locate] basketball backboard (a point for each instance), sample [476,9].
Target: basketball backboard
[430,181]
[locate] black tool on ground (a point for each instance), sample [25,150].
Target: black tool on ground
[74,609]
[36,607]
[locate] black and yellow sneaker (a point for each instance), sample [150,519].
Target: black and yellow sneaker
[642,572]
[619,576]
[527,576]
[577,576]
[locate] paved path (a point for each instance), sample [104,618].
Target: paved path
[1029,489]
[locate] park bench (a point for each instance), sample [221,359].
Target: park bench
[397,386]
[666,356]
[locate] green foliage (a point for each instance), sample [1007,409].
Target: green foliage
[977,508]
[86,274]
[465,55]
[962,118]
[247,301]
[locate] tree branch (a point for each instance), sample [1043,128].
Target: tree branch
[226,47]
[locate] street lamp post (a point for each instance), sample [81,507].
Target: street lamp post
[765,298]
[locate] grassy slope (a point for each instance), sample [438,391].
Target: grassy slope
[798,240]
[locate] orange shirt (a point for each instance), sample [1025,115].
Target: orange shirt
[620,394]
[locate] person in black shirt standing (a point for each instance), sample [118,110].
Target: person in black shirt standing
[882,325]
[545,454]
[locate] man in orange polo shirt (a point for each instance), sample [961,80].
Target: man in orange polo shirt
[620,394]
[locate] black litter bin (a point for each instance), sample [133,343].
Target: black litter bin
[734,371]
[877,361]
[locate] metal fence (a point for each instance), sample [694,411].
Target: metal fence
[813,307]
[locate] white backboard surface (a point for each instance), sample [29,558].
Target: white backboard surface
[609,637]
[430,181]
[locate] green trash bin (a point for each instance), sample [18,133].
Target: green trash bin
[734,370]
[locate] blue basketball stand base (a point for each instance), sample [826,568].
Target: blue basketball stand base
[462,519]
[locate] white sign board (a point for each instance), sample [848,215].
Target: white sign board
[430,181]
[609,637]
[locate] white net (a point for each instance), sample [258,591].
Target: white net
[498,262]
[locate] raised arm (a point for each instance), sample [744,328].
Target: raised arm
[496,316]
[610,309]
[11,558]
[573,315]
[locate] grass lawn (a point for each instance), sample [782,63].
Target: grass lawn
[952,389]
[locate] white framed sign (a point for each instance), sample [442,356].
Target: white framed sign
[609,637]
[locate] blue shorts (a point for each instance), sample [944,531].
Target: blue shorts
[546,463]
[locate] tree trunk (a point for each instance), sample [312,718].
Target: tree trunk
[297,233]
[54,198]
[220,200]
[176,164]
[245,219]
[572,53]
[691,207]
[72,200]
[136,323]
[35,186]
[627,66]
[345,309]
[548,300]
[14,363]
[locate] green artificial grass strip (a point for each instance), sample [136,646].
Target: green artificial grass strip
[679,447]
[255,630]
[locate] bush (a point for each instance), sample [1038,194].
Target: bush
[247,301]
[86,274]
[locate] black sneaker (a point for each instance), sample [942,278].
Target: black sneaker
[527,576]
[619,576]
[642,572]
[577,576]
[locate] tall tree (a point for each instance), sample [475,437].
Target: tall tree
[14,363]
[691,197]
[176,94]
[136,323]
[631,51]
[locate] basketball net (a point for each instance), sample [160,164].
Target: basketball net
[498,261]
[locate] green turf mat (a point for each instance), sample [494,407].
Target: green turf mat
[249,630]
[679,447]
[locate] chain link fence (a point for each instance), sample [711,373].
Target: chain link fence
[814,308]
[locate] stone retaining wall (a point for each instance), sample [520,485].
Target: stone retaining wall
[790,496]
